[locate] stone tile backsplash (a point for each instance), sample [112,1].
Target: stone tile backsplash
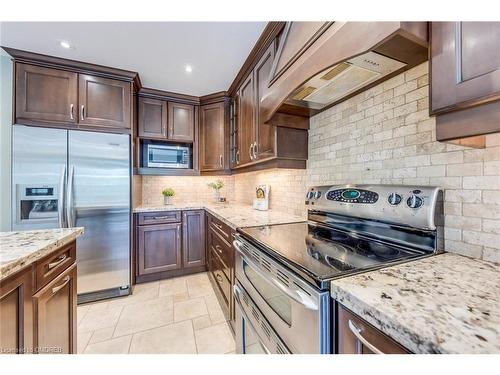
[383,135]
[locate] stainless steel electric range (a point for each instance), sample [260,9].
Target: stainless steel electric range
[283,272]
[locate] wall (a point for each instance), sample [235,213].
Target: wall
[6,71]
[187,188]
[385,135]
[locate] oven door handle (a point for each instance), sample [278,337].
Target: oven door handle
[298,295]
[237,292]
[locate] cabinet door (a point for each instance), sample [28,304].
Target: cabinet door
[356,336]
[193,244]
[16,313]
[159,248]
[45,95]
[246,118]
[55,315]
[152,118]
[180,122]
[104,102]
[465,64]
[266,134]
[212,137]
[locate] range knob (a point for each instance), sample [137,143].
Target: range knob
[317,195]
[394,199]
[414,202]
[309,195]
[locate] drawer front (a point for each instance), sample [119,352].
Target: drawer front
[216,269]
[221,248]
[162,217]
[221,228]
[48,268]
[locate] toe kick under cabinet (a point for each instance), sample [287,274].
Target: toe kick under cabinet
[169,244]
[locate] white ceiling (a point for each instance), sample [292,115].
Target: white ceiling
[159,51]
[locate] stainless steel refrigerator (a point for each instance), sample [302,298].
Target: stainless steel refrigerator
[69,178]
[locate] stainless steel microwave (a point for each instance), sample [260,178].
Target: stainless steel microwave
[168,156]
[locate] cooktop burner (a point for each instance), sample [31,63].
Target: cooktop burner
[323,252]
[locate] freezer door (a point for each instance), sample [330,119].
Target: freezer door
[39,157]
[98,198]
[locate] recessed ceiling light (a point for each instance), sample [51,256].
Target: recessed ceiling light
[188,68]
[65,44]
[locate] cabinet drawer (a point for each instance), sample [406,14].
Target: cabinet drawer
[221,248]
[48,268]
[356,336]
[163,217]
[219,227]
[216,269]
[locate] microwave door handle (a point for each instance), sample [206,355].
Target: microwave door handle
[60,202]
[297,295]
[69,200]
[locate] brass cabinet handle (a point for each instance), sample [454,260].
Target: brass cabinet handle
[357,332]
[238,157]
[82,112]
[218,248]
[61,259]
[250,151]
[160,217]
[255,150]
[220,160]
[58,288]
[219,277]
[218,225]
[71,107]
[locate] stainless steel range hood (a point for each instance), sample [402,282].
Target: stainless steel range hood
[319,64]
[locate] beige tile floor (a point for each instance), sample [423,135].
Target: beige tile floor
[180,315]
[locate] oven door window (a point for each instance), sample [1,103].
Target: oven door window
[165,156]
[276,299]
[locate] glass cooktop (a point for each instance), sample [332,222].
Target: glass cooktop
[324,252]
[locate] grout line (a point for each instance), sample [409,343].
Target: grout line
[194,337]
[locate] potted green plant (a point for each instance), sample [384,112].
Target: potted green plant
[217,186]
[168,193]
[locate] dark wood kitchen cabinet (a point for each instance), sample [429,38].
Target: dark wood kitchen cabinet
[246,119]
[193,236]
[153,118]
[104,102]
[213,137]
[60,98]
[38,305]
[180,122]
[465,78]
[55,314]
[169,244]
[356,336]
[16,313]
[46,95]
[159,248]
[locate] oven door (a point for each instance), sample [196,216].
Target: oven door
[254,334]
[297,312]
[167,156]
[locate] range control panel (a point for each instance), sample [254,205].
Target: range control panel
[352,196]
[406,205]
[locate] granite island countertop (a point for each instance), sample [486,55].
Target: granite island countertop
[20,249]
[441,304]
[235,215]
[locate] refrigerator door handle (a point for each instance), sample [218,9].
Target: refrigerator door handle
[60,203]
[69,200]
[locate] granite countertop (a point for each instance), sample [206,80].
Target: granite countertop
[233,214]
[441,304]
[20,249]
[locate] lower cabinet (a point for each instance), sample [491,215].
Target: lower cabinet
[55,315]
[40,319]
[169,244]
[356,336]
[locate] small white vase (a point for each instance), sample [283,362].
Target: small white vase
[217,195]
[167,200]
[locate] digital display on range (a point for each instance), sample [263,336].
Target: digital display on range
[350,194]
[36,192]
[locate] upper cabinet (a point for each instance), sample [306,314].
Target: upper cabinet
[213,137]
[246,119]
[165,120]
[319,64]
[46,94]
[55,97]
[465,78]
[104,102]
[180,122]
